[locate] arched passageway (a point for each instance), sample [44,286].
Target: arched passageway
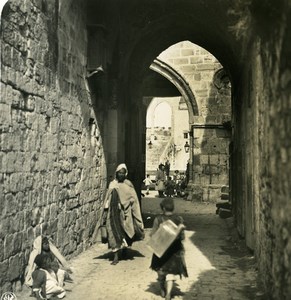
[61,138]
[142,51]
[193,70]
[233,35]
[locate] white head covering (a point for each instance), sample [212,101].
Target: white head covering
[122,166]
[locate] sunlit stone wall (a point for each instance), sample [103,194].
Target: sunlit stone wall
[52,166]
[212,126]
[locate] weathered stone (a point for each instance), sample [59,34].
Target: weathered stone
[260,112]
[15,268]
[12,244]
[189,69]
[224,213]
[3,270]
[1,252]
[17,286]
[11,204]
[52,227]
[180,61]
[211,169]
[5,116]
[7,55]
[205,67]
[187,52]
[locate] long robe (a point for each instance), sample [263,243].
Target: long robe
[160,180]
[121,213]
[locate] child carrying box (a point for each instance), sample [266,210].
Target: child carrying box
[172,262]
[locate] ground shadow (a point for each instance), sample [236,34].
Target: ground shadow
[219,242]
[130,255]
[219,246]
[155,289]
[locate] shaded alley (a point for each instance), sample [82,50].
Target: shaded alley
[82,86]
[219,267]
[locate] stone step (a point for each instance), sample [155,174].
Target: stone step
[224,213]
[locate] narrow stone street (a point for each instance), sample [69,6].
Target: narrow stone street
[218,267]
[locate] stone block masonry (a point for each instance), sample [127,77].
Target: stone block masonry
[52,168]
[210,166]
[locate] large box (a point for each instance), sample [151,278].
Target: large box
[163,238]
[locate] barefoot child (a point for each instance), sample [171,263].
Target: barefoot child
[147,182]
[172,262]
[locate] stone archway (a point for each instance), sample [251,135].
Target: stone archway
[180,83]
[168,72]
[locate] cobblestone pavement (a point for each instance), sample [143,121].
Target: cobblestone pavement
[218,267]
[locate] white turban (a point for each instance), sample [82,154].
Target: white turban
[122,166]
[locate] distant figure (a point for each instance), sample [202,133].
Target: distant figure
[187,172]
[177,180]
[147,182]
[177,176]
[183,182]
[172,262]
[121,214]
[160,180]
[170,187]
[167,168]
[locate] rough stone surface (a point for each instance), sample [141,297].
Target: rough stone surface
[47,137]
[50,154]
[210,146]
[260,173]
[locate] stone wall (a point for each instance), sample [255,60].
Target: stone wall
[210,163]
[52,168]
[198,67]
[275,185]
[212,91]
[262,149]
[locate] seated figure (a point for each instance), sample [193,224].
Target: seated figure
[57,263]
[45,281]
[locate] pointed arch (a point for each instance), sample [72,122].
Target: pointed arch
[180,83]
